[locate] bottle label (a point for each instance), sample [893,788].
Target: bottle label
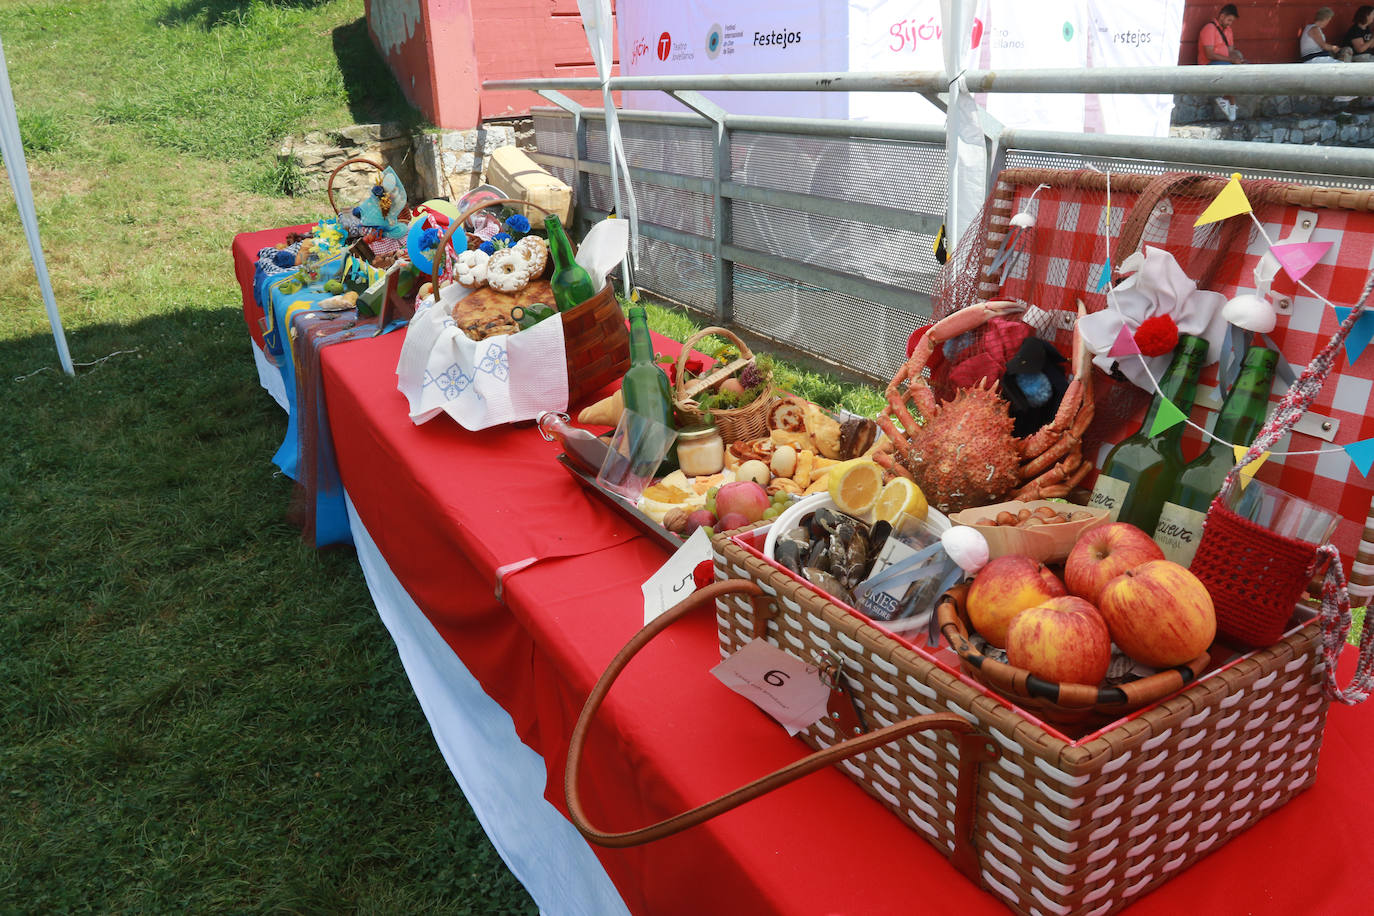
[1110,494]
[1178,533]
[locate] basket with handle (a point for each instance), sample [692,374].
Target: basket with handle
[1072,820]
[735,423]
[376,247]
[596,339]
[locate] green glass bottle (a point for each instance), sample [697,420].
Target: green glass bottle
[571,283]
[645,384]
[1180,522]
[1138,475]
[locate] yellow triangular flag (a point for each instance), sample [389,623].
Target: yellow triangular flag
[1230,202]
[1248,472]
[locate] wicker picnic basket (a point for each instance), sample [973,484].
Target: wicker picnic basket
[736,423]
[1060,824]
[596,338]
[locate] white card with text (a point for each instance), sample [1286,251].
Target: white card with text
[785,687]
[673,581]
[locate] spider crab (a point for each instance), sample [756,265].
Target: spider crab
[963,454]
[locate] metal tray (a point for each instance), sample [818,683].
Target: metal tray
[623,506]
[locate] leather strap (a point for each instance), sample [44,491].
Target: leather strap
[1161,188]
[973,749]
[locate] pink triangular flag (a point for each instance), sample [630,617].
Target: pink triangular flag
[1297,258]
[1125,344]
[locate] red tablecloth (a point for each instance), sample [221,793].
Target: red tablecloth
[453,512]
[448,508]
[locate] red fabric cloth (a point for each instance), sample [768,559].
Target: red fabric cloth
[448,508]
[440,500]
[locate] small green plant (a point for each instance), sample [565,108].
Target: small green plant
[283,177]
[45,131]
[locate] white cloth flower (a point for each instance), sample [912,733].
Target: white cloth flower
[472,268]
[1158,286]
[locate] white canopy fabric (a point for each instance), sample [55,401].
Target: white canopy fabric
[12,147]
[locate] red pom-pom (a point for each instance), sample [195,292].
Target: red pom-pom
[1156,336]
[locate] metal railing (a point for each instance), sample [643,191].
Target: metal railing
[802,230]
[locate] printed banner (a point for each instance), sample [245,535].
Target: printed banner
[719,36]
[1133,35]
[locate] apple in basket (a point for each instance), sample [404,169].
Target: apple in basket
[1004,588]
[1064,640]
[1159,614]
[1101,554]
[742,497]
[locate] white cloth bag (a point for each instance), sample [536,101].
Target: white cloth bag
[480,383]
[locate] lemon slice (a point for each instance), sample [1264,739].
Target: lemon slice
[898,497]
[855,485]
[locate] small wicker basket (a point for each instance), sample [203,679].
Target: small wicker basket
[736,423]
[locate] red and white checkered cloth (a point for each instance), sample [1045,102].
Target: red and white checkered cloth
[1069,234]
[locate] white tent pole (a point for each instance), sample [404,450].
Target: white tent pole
[13,149]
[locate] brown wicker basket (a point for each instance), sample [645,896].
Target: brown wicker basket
[1068,821]
[596,338]
[735,424]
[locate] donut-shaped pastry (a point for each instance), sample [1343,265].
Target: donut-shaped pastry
[471,268]
[536,251]
[508,271]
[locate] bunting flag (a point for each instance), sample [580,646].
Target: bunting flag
[1125,344]
[1362,454]
[1360,335]
[1230,202]
[1168,417]
[1106,277]
[1247,473]
[1297,258]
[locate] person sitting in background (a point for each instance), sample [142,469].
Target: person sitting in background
[1358,38]
[1216,44]
[1313,48]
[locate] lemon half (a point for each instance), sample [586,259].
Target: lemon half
[856,485]
[901,496]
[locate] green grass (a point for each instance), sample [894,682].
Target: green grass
[200,713]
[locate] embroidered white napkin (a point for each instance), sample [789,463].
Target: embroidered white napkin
[480,383]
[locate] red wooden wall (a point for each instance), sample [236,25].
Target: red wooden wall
[442,50]
[1267,30]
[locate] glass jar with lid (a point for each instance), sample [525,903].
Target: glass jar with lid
[700,451]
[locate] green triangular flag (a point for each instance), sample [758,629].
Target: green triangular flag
[1168,417]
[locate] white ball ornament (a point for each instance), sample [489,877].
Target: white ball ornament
[967,547]
[1251,313]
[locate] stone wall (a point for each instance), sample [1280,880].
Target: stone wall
[1304,120]
[435,163]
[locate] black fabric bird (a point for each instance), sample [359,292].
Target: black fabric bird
[1034,384]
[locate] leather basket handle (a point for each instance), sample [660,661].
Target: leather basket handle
[974,748]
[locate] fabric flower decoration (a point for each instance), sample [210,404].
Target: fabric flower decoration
[1156,286]
[429,238]
[502,240]
[487,247]
[518,223]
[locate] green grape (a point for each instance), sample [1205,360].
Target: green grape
[710,532]
[773,512]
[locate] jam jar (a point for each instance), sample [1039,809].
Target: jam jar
[700,451]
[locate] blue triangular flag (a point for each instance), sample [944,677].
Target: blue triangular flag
[1106,277]
[1362,453]
[1360,335]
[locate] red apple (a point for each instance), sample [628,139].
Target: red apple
[1101,554]
[1159,614]
[1064,640]
[1004,588]
[730,521]
[742,496]
[698,518]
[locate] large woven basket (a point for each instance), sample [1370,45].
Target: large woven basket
[735,424]
[596,338]
[1064,824]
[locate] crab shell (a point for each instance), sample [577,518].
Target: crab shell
[508,271]
[472,268]
[536,251]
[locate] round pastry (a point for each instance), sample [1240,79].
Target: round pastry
[472,268]
[536,251]
[508,271]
